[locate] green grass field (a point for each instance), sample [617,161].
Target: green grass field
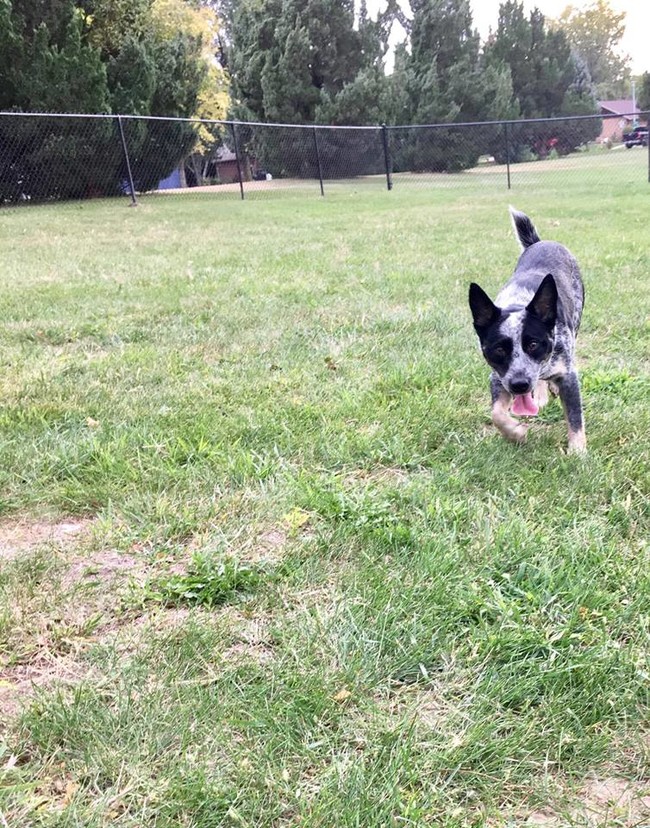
[263,559]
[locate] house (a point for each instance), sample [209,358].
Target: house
[223,166]
[220,167]
[618,117]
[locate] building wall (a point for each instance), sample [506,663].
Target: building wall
[228,172]
[613,128]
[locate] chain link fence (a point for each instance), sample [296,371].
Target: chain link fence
[58,157]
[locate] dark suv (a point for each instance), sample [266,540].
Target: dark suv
[638,137]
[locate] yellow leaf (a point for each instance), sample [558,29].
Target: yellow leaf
[296,518]
[342,695]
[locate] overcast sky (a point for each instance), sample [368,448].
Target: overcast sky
[636,42]
[637,22]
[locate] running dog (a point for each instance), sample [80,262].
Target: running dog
[528,335]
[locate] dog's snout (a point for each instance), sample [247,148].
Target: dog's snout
[520,386]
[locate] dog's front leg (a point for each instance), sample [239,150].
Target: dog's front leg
[501,400]
[569,389]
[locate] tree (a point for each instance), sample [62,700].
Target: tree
[595,33]
[289,58]
[109,24]
[305,62]
[548,81]
[144,57]
[225,13]
[644,92]
[52,71]
[443,80]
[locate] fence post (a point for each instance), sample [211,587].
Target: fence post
[384,134]
[241,180]
[505,132]
[134,202]
[320,169]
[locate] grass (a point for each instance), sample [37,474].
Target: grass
[311,586]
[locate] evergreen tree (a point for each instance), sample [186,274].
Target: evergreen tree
[52,71]
[290,58]
[548,81]
[306,62]
[644,93]
[443,80]
[595,33]
[143,57]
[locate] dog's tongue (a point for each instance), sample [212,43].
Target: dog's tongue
[525,406]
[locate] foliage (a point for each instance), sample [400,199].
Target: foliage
[94,56]
[442,80]
[52,71]
[302,62]
[548,80]
[643,100]
[595,33]
[208,582]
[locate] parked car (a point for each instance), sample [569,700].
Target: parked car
[638,137]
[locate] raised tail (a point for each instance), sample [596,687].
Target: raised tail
[524,228]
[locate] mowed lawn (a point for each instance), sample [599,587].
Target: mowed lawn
[265,562]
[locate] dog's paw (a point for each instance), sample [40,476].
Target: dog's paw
[516,433]
[541,393]
[577,443]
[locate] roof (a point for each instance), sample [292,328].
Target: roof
[225,154]
[620,107]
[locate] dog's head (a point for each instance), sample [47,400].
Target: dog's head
[516,342]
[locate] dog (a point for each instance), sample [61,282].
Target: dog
[528,334]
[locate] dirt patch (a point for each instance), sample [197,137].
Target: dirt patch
[242,652]
[597,803]
[615,801]
[18,537]
[253,641]
[105,566]
[268,546]
[20,681]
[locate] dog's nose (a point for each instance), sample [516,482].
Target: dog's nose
[520,386]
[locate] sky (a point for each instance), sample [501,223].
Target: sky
[635,42]
[637,22]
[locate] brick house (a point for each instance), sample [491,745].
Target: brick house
[614,127]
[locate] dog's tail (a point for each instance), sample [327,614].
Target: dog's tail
[524,228]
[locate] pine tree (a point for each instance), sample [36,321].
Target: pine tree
[644,92]
[144,57]
[53,71]
[548,81]
[443,80]
[291,60]
[307,62]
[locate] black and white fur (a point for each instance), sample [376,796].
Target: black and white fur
[528,333]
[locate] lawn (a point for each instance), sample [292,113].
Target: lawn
[263,559]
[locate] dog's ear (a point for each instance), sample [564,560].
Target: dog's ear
[543,305]
[484,311]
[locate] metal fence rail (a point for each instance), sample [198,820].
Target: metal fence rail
[55,157]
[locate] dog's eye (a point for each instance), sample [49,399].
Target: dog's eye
[532,346]
[499,351]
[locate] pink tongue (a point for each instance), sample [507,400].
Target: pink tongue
[525,406]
